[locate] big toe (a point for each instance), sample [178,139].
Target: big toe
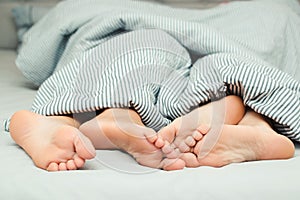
[84,147]
[190,159]
[168,133]
[173,164]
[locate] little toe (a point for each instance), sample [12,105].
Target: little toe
[52,167]
[71,165]
[62,167]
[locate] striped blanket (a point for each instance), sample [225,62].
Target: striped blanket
[163,62]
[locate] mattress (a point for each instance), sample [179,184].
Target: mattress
[116,175]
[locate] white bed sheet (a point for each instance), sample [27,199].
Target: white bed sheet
[115,175]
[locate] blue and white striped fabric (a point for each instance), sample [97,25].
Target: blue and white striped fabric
[243,49]
[128,70]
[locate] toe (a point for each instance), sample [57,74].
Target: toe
[197,135]
[190,141]
[168,133]
[149,133]
[190,159]
[203,129]
[183,147]
[62,167]
[84,146]
[152,138]
[71,165]
[166,149]
[173,164]
[173,154]
[79,162]
[52,167]
[159,143]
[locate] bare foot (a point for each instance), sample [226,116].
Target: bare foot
[181,135]
[184,132]
[53,142]
[123,129]
[252,139]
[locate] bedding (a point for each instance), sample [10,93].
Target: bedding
[115,175]
[234,57]
[26,16]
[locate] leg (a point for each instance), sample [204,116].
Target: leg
[186,130]
[53,142]
[123,129]
[251,139]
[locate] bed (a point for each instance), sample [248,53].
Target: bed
[114,174]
